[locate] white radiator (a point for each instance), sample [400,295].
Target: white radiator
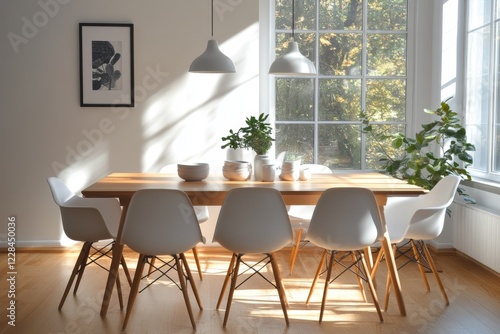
[476,232]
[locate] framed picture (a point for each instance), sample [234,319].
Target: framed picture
[106,65]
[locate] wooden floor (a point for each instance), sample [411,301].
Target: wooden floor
[474,295]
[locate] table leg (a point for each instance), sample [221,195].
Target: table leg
[391,265]
[115,264]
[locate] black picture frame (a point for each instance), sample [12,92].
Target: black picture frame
[106,65]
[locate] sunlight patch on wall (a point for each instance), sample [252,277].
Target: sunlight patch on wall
[187,118]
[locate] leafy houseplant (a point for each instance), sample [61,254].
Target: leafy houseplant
[419,165]
[255,135]
[234,140]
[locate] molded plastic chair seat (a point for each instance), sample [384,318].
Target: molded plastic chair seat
[417,219]
[345,220]
[162,222]
[253,220]
[88,220]
[300,217]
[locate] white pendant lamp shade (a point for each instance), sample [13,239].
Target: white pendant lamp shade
[292,63]
[212,61]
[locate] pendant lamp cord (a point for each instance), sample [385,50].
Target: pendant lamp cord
[212,18]
[293,20]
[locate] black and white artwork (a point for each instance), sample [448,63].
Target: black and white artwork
[106,65]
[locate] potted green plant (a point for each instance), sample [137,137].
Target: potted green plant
[236,150]
[256,135]
[418,164]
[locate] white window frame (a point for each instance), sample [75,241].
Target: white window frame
[267,82]
[487,175]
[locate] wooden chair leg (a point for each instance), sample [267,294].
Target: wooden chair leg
[191,280]
[421,268]
[182,281]
[87,246]
[376,264]
[226,280]
[327,283]
[119,289]
[197,261]
[435,272]
[232,288]
[360,280]
[280,287]
[388,286]
[81,257]
[151,266]
[295,249]
[372,287]
[125,269]
[318,272]
[135,288]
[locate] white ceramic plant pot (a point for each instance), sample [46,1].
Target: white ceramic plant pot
[258,163]
[239,154]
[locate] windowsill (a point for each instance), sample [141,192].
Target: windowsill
[483,184]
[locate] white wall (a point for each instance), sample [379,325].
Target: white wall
[179,116]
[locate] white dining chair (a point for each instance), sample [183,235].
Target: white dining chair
[300,217]
[345,220]
[253,221]
[202,215]
[162,222]
[88,220]
[413,220]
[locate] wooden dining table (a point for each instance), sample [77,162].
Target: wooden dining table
[213,190]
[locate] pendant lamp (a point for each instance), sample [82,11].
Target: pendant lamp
[212,60]
[292,62]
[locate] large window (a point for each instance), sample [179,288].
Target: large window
[482,96]
[359,48]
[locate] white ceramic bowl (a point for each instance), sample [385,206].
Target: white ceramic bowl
[235,163]
[193,171]
[240,174]
[286,176]
[290,166]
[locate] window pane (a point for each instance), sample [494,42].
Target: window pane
[477,134]
[305,14]
[341,15]
[478,93]
[479,13]
[386,100]
[340,54]
[297,140]
[376,150]
[339,99]
[386,55]
[387,14]
[339,146]
[294,99]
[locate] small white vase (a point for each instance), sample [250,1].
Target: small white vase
[258,163]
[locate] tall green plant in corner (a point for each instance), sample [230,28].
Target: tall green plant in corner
[418,164]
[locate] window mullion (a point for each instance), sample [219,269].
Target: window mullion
[492,84]
[364,72]
[316,91]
